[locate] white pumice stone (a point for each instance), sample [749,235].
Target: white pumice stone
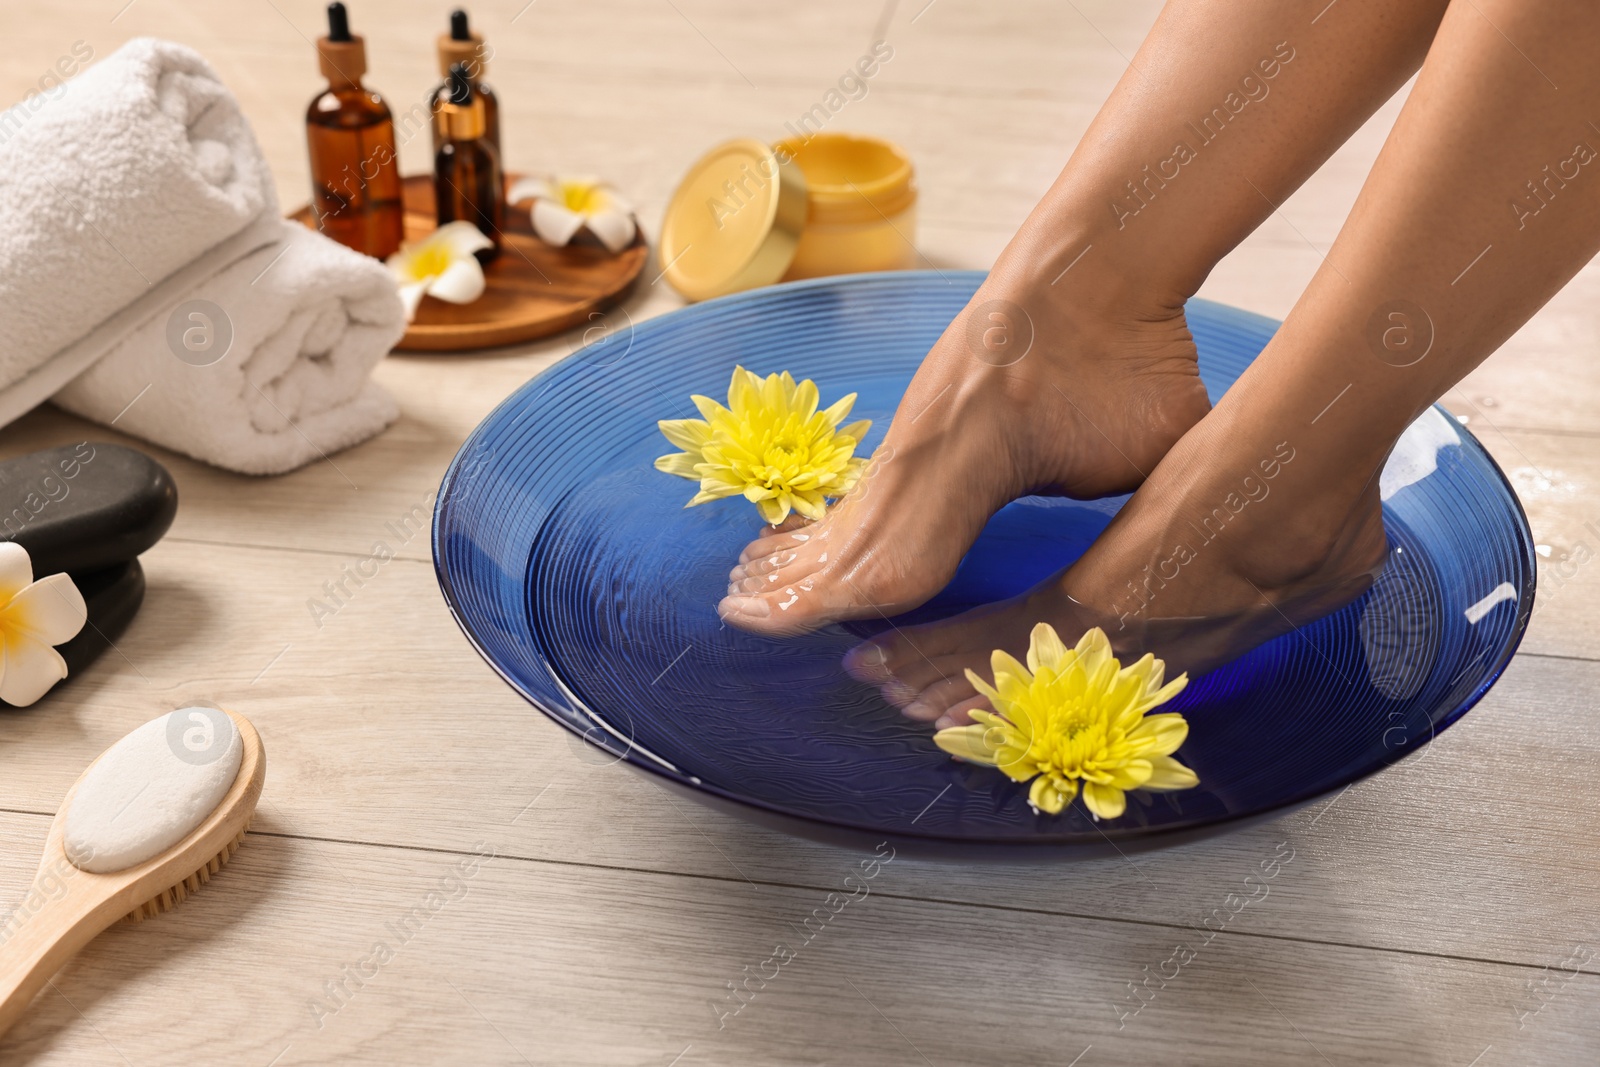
[151,789]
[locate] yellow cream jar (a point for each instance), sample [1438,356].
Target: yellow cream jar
[861,205]
[749,214]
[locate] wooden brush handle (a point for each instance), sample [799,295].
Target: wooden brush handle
[40,941]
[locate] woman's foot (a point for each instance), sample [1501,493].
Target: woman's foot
[1032,389]
[1235,539]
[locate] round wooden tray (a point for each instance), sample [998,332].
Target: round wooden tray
[534,289]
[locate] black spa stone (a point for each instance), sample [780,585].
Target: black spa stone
[113,596]
[84,507]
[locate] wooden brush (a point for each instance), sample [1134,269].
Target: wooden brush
[79,904]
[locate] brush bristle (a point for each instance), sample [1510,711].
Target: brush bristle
[172,896]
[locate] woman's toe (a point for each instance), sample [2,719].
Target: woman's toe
[960,713]
[937,699]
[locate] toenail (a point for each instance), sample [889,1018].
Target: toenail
[864,657]
[918,710]
[737,573]
[897,693]
[753,607]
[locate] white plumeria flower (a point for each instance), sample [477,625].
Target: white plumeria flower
[563,206]
[34,616]
[442,264]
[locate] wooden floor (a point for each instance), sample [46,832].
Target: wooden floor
[1442,913]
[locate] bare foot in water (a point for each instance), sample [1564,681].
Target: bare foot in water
[1032,389]
[1235,539]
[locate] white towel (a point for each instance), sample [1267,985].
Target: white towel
[136,169]
[309,320]
[140,187]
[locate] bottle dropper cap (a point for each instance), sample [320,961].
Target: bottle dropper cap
[461,107]
[341,55]
[461,45]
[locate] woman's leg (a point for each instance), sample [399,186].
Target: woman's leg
[1484,201]
[1072,370]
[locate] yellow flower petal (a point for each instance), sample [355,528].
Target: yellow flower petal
[1105,801]
[984,687]
[1093,650]
[1163,732]
[1167,774]
[709,409]
[773,511]
[690,435]
[1045,647]
[1050,795]
[837,411]
[681,464]
[966,742]
[857,431]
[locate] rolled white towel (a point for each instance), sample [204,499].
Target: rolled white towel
[308,319]
[140,165]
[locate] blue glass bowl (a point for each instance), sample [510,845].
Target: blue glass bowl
[577,573]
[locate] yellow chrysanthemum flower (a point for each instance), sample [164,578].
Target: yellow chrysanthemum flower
[771,444]
[1076,714]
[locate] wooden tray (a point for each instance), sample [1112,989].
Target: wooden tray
[534,289]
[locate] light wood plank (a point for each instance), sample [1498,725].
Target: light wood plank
[633,968]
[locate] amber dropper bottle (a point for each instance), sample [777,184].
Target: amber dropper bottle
[355,170]
[466,171]
[461,45]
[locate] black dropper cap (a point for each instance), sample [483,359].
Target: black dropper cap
[459,31]
[460,85]
[338,22]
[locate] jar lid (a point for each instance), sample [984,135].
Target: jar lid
[734,221]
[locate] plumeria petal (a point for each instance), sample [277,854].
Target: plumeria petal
[16,570]
[461,283]
[30,668]
[410,296]
[616,229]
[529,189]
[554,223]
[50,610]
[461,238]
